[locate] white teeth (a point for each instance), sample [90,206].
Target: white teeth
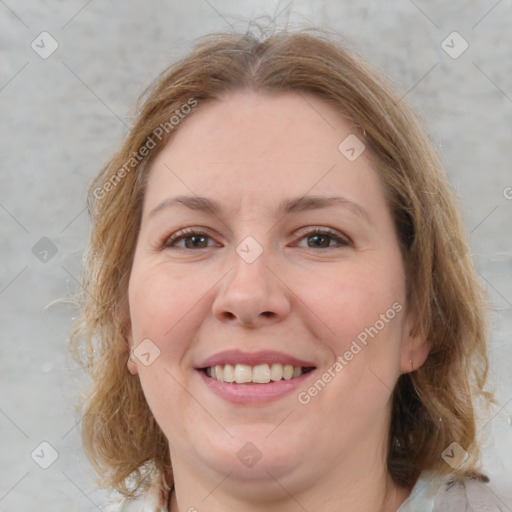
[229,373]
[243,373]
[287,372]
[260,374]
[276,371]
[219,372]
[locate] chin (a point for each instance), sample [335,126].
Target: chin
[253,460]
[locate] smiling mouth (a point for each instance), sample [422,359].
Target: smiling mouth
[258,374]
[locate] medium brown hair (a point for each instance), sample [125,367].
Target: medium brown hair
[433,406]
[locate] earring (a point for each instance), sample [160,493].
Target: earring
[412,366]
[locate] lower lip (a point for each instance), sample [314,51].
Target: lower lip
[254,393]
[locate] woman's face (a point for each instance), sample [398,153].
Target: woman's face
[296,264]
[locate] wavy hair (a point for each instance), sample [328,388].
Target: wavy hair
[432,406]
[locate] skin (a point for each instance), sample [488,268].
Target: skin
[250,151]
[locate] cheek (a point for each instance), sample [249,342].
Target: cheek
[168,307]
[363,311]
[164,307]
[353,298]
[362,308]
[160,299]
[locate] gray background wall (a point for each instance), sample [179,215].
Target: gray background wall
[64,115]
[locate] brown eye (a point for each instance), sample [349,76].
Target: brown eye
[196,241]
[320,241]
[323,238]
[192,240]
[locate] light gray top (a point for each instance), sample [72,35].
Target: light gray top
[434,494]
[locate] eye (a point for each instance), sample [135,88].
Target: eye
[193,239]
[322,238]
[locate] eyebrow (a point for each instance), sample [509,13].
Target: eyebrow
[294,205]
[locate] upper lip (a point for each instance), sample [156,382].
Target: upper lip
[253,358]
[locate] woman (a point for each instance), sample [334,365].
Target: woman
[280,312]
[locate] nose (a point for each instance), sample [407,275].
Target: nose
[252,294]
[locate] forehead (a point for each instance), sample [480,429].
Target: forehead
[260,125]
[258,148]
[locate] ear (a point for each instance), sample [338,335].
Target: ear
[130,364]
[415,349]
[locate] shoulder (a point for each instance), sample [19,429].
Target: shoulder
[445,494]
[151,501]
[471,494]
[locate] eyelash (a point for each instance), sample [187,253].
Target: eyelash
[169,242]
